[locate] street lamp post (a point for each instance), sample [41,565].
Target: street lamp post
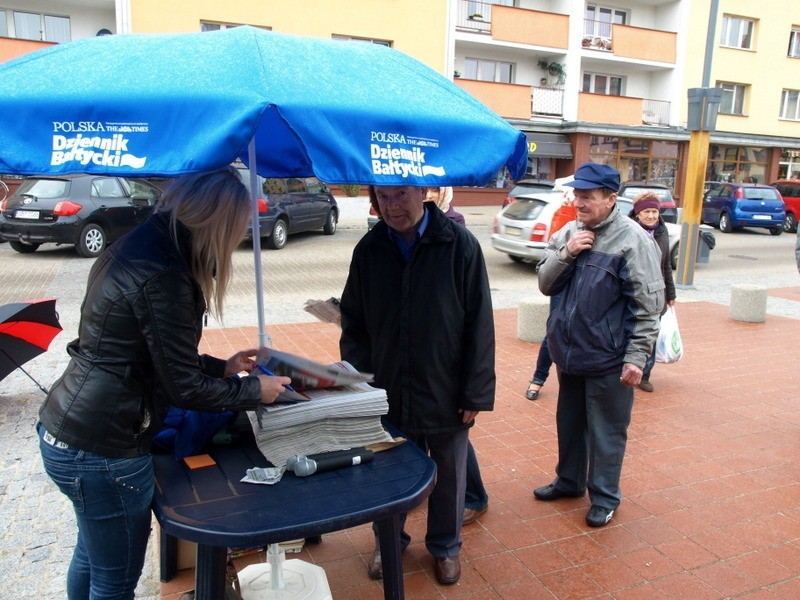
[702,119]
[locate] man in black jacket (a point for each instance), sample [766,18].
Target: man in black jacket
[417,312]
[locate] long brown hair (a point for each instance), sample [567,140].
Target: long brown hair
[215,208]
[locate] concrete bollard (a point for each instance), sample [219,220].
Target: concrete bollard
[532,319]
[748,303]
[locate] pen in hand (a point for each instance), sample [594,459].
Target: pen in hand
[266,371]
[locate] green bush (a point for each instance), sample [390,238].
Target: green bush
[351,190]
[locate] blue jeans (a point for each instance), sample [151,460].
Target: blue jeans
[111,498]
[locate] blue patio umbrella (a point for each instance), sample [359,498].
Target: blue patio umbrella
[293,106]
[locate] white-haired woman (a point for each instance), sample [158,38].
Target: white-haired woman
[137,353]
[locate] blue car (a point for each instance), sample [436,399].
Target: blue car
[734,205]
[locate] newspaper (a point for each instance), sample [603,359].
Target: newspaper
[325,310]
[307,375]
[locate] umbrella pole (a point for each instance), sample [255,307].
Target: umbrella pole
[24,371]
[263,338]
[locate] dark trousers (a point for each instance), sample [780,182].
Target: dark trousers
[446,502]
[476,497]
[592,419]
[543,364]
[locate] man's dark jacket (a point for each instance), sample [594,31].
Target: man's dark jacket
[136,353]
[424,328]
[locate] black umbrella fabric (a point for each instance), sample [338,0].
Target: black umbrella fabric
[26,330]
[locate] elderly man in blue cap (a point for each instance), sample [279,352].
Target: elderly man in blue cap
[606,269]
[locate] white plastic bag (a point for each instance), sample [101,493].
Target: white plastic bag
[669,347]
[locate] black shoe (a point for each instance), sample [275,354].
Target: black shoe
[551,492]
[599,516]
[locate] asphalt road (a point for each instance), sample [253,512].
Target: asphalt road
[313,265]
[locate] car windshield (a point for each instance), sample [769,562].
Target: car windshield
[764,193]
[525,209]
[632,192]
[44,188]
[624,206]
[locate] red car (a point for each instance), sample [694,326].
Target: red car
[790,191]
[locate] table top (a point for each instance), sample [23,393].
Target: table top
[211,506]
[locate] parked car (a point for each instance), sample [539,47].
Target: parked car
[522,228]
[789,189]
[669,212]
[527,186]
[89,211]
[705,244]
[289,206]
[733,205]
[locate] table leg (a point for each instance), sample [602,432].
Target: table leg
[168,556]
[209,575]
[389,531]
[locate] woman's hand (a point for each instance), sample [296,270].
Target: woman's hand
[271,386]
[241,361]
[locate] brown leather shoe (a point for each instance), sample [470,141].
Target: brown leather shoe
[374,566]
[447,569]
[471,515]
[646,386]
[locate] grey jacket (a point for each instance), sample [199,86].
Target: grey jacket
[611,298]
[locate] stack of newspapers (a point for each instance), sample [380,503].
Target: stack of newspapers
[330,407]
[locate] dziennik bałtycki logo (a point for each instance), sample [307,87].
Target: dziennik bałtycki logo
[397,154]
[96,142]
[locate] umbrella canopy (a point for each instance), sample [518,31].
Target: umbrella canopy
[26,330]
[345,112]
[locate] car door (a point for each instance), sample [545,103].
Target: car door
[298,205]
[713,202]
[319,202]
[114,210]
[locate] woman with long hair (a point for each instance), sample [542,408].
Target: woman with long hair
[137,353]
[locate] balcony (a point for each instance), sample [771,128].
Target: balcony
[624,41]
[510,24]
[622,110]
[14,47]
[514,101]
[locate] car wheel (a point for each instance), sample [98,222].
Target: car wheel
[330,223]
[92,241]
[725,223]
[23,248]
[790,223]
[776,231]
[673,256]
[280,232]
[516,259]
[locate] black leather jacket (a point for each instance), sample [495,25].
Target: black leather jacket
[141,323]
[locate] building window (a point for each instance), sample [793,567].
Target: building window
[362,39]
[34,26]
[599,19]
[597,83]
[790,105]
[794,43]
[637,159]
[737,32]
[736,164]
[732,98]
[488,70]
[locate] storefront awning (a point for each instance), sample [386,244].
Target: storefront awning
[548,145]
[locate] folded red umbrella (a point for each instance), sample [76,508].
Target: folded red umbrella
[26,330]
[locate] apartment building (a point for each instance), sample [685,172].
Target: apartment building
[601,81]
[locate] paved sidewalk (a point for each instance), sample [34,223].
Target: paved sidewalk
[711,480]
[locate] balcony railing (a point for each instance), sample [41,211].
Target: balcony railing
[655,112]
[475,16]
[547,102]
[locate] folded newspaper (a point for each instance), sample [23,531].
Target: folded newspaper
[339,410]
[325,310]
[307,375]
